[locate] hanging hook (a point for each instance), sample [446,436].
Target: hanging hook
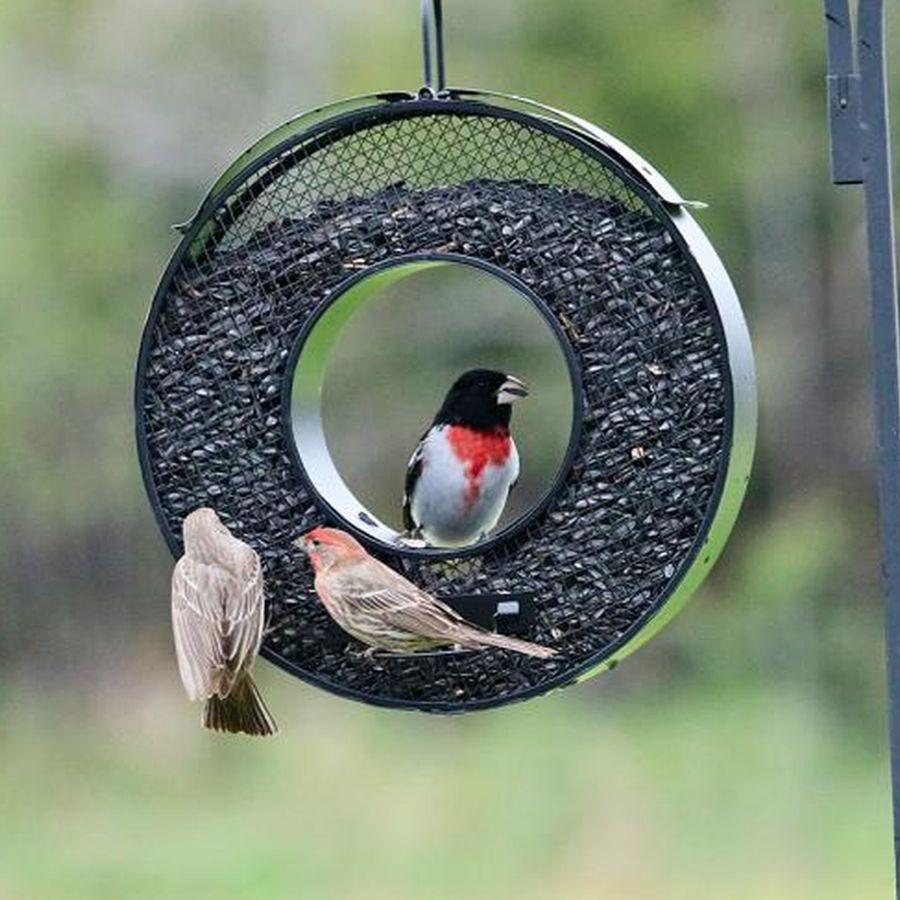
[432,33]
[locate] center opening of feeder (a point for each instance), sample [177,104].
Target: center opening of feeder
[373,368]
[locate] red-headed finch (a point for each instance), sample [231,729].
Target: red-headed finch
[459,476]
[218,612]
[386,611]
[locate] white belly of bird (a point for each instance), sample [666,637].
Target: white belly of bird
[440,506]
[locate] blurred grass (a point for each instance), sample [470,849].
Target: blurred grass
[690,794]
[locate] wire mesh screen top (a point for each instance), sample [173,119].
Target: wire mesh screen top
[558,216]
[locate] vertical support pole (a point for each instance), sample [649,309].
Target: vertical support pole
[861,152]
[886,348]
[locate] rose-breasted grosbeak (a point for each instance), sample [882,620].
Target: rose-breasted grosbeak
[383,609]
[461,473]
[217,616]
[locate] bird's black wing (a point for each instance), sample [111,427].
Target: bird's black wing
[413,471]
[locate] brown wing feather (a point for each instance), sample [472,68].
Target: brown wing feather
[217,619]
[196,605]
[245,611]
[381,593]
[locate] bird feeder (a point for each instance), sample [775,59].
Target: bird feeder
[297,231]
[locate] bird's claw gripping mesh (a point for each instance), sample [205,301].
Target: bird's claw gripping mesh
[558,216]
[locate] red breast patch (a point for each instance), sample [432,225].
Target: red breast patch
[477,449]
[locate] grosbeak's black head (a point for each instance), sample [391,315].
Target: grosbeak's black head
[481,398]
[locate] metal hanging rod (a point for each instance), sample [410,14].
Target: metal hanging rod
[433,38]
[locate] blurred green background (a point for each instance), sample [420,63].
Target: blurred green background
[740,755]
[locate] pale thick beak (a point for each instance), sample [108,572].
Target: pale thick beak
[302,544]
[511,390]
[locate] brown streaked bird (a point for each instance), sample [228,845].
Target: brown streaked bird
[383,609]
[218,612]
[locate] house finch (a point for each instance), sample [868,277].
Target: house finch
[217,616]
[382,609]
[461,473]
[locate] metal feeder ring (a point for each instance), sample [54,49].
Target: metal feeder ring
[659,358]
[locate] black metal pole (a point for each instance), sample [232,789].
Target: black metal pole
[861,153]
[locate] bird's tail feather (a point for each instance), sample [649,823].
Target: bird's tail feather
[492,639]
[243,711]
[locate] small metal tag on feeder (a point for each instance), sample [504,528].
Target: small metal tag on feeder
[664,407]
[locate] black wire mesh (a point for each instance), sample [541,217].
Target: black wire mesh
[574,228]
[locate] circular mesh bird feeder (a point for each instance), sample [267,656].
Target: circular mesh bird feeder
[320,212]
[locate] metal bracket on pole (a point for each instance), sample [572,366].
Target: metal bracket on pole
[844,97]
[861,154]
[846,130]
